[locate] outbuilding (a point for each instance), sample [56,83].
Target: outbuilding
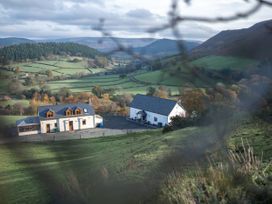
[154,110]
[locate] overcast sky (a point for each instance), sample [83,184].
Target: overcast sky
[37,19]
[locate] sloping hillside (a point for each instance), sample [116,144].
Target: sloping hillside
[254,42]
[13,41]
[35,51]
[164,47]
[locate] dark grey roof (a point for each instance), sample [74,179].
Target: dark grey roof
[28,121]
[153,104]
[59,110]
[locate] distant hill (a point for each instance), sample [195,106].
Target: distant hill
[104,44]
[14,41]
[22,52]
[254,42]
[164,47]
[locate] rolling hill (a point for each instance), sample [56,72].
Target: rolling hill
[14,41]
[254,42]
[164,47]
[104,44]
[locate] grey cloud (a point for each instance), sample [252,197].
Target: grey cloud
[140,13]
[68,17]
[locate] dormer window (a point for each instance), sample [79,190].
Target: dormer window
[78,111]
[69,112]
[50,114]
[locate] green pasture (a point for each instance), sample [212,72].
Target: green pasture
[10,120]
[61,66]
[94,167]
[257,134]
[224,62]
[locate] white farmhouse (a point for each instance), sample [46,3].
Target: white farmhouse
[154,110]
[60,118]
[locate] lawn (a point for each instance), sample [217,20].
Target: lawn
[10,120]
[222,62]
[98,170]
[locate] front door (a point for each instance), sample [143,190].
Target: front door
[47,128]
[71,126]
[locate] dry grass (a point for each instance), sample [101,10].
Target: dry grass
[242,178]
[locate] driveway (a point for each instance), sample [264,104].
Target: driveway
[119,122]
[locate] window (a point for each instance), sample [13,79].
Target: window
[56,125]
[29,128]
[78,111]
[69,112]
[84,122]
[155,119]
[50,114]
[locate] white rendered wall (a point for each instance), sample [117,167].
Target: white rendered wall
[45,122]
[177,111]
[98,120]
[149,117]
[28,133]
[63,123]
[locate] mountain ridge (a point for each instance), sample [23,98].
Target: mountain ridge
[253,42]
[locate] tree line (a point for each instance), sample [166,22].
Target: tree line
[32,51]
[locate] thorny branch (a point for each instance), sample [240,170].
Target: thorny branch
[175,18]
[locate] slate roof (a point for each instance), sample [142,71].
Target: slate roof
[60,110]
[28,121]
[153,104]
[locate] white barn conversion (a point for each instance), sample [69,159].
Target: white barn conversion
[60,118]
[154,110]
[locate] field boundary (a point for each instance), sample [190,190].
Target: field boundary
[76,135]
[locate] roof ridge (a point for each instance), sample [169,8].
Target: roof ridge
[156,97]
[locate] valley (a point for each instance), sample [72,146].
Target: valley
[219,152]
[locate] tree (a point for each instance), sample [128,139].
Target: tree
[151,91]
[98,91]
[18,108]
[29,81]
[101,61]
[45,99]
[49,74]
[65,92]
[15,87]
[194,100]
[161,92]
[17,70]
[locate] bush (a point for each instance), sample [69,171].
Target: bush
[178,122]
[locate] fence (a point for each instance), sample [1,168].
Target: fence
[83,134]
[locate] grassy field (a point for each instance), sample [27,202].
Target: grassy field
[120,169]
[111,81]
[99,170]
[257,134]
[222,62]
[10,120]
[62,66]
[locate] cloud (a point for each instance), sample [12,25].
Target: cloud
[140,13]
[124,18]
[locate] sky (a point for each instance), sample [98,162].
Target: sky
[45,19]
